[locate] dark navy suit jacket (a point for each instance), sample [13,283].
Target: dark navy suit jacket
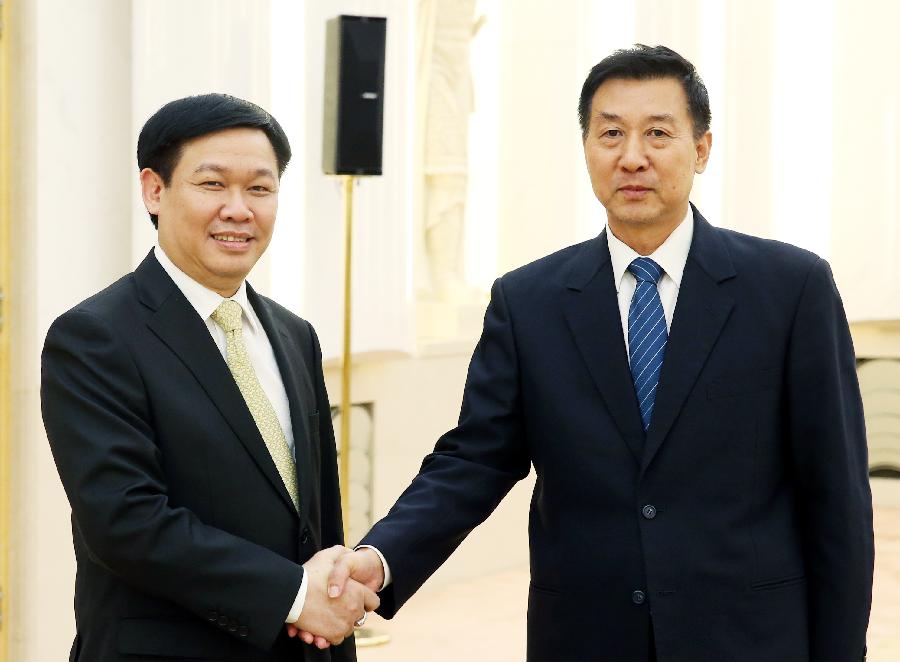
[187,543]
[741,522]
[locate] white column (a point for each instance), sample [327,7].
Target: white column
[483,203]
[865,195]
[72,152]
[748,123]
[673,24]
[541,158]
[804,132]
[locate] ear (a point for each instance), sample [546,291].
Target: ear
[703,145]
[151,189]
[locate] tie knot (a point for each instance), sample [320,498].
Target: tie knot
[645,270]
[228,315]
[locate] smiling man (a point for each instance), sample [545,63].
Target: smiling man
[687,396]
[188,418]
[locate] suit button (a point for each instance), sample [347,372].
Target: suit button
[223,621]
[304,538]
[232,626]
[648,511]
[243,631]
[212,616]
[638,597]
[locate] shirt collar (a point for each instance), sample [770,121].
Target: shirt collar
[671,255]
[201,298]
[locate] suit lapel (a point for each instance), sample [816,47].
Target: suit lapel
[592,313]
[700,315]
[296,379]
[177,324]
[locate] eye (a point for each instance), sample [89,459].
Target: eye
[657,133]
[260,189]
[211,183]
[612,133]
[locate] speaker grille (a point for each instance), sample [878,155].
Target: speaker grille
[354,95]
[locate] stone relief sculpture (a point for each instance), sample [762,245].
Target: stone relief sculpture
[445,31]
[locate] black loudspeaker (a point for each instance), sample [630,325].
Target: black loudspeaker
[354,95]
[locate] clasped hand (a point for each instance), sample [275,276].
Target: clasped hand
[340,590]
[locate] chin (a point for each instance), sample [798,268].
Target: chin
[635,216]
[234,268]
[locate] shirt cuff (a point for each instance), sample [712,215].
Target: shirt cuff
[384,564]
[299,601]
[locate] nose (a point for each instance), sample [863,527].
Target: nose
[634,154]
[235,207]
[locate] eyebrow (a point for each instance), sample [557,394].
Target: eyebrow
[659,117]
[259,172]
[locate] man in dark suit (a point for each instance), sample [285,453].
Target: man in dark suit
[189,422]
[687,396]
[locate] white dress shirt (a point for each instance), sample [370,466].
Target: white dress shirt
[259,349]
[671,256]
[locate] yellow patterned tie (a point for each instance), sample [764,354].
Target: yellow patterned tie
[228,316]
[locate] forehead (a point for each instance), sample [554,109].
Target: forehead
[229,146]
[635,100]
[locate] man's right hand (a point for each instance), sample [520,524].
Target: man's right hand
[331,614]
[350,568]
[363,566]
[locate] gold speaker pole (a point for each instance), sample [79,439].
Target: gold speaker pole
[365,637]
[346,404]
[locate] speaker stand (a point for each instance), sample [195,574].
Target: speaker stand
[365,637]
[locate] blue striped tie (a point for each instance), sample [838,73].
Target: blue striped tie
[647,335]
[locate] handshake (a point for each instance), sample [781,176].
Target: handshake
[341,586]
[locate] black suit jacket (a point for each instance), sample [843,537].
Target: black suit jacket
[742,522]
[187,543]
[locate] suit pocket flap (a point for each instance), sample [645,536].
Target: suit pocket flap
[173,638]
[773,584]
[544,590]
[729,386]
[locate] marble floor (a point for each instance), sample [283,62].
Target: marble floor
[484,620]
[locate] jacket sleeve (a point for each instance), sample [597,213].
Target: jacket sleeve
[828,445]
[97,417]
[469,472]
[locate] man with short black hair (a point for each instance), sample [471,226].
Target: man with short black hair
[687,396]
[189,422]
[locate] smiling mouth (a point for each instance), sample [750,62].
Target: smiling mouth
[231,238]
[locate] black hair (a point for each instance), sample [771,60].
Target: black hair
[644,63]
[163,136]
